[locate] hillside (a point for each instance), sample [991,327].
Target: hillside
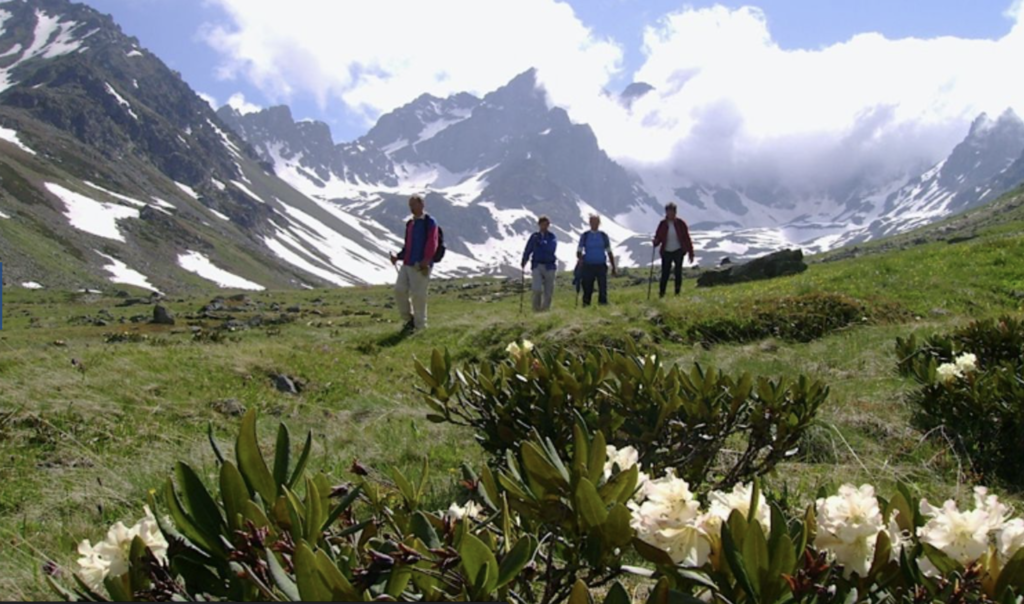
[94,405]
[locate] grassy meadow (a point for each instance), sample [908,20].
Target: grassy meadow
[92,417]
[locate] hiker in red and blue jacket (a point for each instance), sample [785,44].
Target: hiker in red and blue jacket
[421,243]
[674,243]
[594,248]
[541,246]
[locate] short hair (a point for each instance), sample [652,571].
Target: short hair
[416,198]
[671,206]
[593,216]
[543,218]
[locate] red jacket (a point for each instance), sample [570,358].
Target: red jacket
[661,236]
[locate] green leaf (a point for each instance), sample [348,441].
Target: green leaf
[281,579]
[312,586]
[437,366]
[580,594]
[213,443]
[944,563]
[735,560]
[617,595]
[598,457]
[234,493]
[616,529]
[341,589]
[59,589]
[423,529]
[489,490]
[187,526]
[589,504]
[405,488]
[651,553]
[755,551]
[480,565]
[1012,576]
[138,578]
[198,501]
[517,559]
[315,514]
[250,460]
[540,469]
[621,487]
[282,455]
[118,588]
[300,467]
[421,489]
[425,375]
[343,505]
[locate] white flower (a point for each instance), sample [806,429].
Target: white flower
[723,504]
[848,526]
[513,350]
[670,519]
[528,347]
[963,536]
[899,539]
[1010,540]
[967,362]
[470,510]
[947,372]
[625,458]
[110,556]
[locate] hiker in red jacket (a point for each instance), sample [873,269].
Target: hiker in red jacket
[674,243]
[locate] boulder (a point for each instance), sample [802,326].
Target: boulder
[777,264]
[162,316]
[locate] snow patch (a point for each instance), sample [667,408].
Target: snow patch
[161,203]
[4,216]
[134,53]
[219,215]
[11,136]
[220,186]
[31,285]
[188,190]
[122,274]
[247,191]
[124,198]
[91,216]
[197,263]
[121,100]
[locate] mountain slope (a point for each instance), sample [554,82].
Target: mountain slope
[115,170]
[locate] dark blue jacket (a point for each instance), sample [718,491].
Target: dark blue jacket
[542,247]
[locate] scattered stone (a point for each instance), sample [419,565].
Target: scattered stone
[285,384]
[769,347]
[230,407]
[725,261]
[255,321]
[241,299]
[133,302]
[294,309]
[940,312]
[777,264]
[274,306]
[162,316]
[60,343]
[139,318]
[234,325]
[122,294]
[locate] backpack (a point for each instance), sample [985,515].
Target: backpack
[441,249]
[607,242]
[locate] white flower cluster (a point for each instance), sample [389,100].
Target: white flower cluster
[963,364]
[970,536]
[669,517]
[515,351]
[458,512]
[849,524]
[110,557]
[625,458]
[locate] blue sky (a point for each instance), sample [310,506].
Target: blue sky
[178,31]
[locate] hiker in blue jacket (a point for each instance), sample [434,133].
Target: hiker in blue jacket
[541,246]
[594,248]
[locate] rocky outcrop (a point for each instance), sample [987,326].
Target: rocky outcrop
[777,264]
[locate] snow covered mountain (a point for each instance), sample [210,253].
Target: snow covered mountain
[489,166]
[113,170]
[986,164]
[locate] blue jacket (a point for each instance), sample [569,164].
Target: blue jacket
[595,247]
[542,247]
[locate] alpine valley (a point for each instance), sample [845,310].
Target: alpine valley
[114,171]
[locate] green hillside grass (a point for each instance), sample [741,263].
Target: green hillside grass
[82,444]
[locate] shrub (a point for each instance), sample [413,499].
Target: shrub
[972,388]
[799,318]
[676,419]
[545,529]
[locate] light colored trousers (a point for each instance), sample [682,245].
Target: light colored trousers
[412,286]
[543,288]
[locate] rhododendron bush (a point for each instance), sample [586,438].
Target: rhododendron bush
[971,390]
[573,522]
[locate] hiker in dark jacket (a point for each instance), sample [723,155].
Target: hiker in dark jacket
[541,247]
[421,242]
[594,248]
[674,238]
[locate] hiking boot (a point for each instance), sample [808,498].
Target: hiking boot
[409,327]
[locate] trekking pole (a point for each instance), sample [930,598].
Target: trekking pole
[650,278]
[522,287]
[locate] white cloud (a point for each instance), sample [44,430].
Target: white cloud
[238,102]
[212,102]
[728,101]
[380,55]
